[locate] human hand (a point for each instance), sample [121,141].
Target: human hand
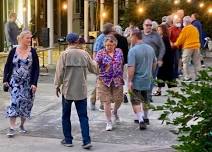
[173,45]
[33,88]
[130,86]
[160,63]
[58,91]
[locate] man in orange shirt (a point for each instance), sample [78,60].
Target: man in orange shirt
[189,40]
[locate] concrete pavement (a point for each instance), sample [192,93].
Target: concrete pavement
[45,130]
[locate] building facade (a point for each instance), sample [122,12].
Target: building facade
[59,16]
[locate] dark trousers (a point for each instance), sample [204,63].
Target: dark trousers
[176,62]
[81,106]
[154,76]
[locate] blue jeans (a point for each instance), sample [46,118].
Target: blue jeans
[81,106]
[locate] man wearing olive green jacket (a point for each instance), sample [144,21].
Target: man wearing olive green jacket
[71,73]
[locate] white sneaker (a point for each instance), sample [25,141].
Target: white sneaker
[109,126]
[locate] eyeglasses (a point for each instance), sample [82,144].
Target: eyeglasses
[109,45]
[148,24]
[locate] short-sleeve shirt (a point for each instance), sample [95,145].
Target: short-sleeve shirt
[142,57]
[99,44]
[111,68]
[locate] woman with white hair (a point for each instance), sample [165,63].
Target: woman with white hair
[21,74]
[110,79]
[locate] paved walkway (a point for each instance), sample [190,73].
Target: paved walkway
[45,130]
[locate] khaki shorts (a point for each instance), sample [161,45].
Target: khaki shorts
[110,94]
[138,97]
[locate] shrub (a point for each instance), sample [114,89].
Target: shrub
[190,109]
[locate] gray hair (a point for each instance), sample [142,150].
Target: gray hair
[107,28]
[187,20]
[118,29]
[154,25]
[110,38]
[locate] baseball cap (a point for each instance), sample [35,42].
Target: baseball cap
[72,37]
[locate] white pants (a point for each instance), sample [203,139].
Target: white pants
[187,56]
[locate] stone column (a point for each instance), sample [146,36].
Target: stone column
[50,25]
[59,17]
[126,3]
[101,12]
[70,8]
[86,18]
[92,15]
[115,12]
[1,26]
[25,15]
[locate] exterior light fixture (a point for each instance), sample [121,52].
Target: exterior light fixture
[104,15]
[140,10]
[176,2]
[65,6]
[210,10]
[24,9]
[201,5]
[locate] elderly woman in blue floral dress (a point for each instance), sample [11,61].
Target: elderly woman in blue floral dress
[21,75]
[110,78]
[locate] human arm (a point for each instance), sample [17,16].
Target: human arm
[8,67]
[162,50]
[131,69]
[35,71]
[7,32]
[35,68]
[98,45]
[59,74]
[180,39]
[92,65]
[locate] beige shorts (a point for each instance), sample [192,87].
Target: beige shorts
[110,94]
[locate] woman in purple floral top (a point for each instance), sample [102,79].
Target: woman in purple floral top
[110,78]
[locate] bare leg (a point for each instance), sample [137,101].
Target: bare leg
[146,109]
[22,121]
[12,122]
[107,106]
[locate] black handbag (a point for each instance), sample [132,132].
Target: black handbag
[5,88]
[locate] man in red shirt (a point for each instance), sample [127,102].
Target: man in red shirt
[174,32]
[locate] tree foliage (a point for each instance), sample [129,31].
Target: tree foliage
[190,109]
[156,9]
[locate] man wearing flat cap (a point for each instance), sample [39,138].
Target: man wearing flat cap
[70,80]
